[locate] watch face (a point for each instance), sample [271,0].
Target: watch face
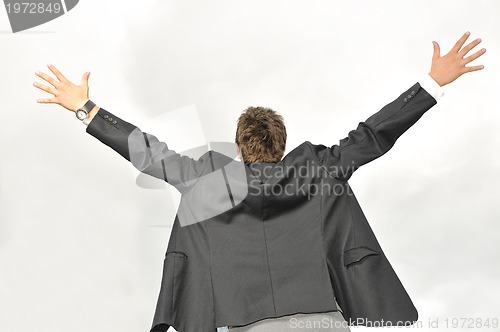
[81,114]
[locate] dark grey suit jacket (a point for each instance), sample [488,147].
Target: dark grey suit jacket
[250,243]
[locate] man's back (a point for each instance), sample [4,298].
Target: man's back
[246,246]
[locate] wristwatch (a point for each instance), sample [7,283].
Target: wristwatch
[83,112]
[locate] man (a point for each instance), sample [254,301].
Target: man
[258,246]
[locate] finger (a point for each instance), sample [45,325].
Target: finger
[45,88]
[47,101]
[437,50]
[48,78]
[85,79]
[469,47]
[473,68]
[58,74]
[460,42]
[475,55]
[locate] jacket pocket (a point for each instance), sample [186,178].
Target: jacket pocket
[355,255]
[177,254]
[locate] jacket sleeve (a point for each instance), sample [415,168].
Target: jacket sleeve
[145,151]
[375,136]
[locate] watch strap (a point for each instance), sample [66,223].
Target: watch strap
[88,106]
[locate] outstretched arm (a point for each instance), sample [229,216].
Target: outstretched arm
[375,136]
[143,150]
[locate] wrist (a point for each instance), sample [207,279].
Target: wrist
[93,112]
[436,79]
[87,112]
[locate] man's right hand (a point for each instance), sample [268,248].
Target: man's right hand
[445,69]
[66,94]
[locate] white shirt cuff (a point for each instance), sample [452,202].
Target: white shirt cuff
[431,86]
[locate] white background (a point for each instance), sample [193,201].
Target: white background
[82,246]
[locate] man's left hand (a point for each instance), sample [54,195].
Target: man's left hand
[447,68]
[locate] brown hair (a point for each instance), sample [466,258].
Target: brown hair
[261,135]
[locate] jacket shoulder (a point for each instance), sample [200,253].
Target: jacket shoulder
[302,151]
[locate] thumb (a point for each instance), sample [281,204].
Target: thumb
[437,51]
[85,79]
